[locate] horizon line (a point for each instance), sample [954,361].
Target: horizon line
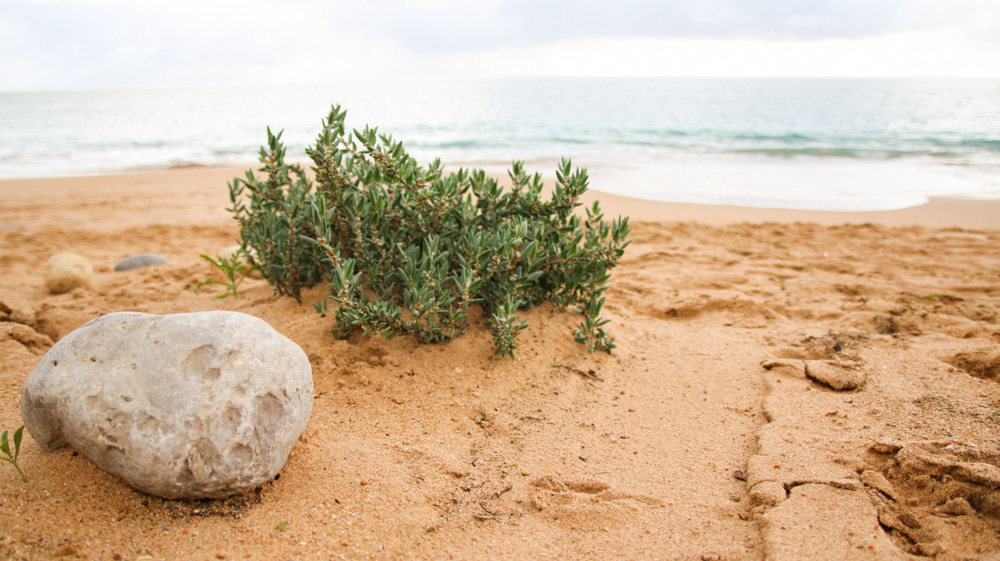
[376,80]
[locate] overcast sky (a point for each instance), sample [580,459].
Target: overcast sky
[76,44]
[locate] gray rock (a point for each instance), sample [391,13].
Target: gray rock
[838,377]
[141,261]
[181,406]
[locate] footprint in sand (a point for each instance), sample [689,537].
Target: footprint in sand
[586,504]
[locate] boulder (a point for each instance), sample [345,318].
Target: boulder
[141,261]
[66,271]
[180,406]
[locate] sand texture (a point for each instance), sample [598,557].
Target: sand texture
[787,386]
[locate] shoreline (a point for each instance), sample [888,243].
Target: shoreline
[937,212]
[206,185]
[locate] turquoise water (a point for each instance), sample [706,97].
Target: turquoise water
[835,144]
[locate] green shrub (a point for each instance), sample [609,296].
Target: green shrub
[408,249]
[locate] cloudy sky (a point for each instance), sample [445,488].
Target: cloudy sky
[79,44]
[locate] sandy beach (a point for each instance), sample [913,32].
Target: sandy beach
[713,432]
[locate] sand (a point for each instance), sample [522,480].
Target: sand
[706,435]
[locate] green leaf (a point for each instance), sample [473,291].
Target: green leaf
[17,441]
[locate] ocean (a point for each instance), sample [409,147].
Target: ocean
[819,144]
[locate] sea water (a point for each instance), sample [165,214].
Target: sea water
[827,144]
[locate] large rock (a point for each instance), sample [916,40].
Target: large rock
[66,271]
[181,406]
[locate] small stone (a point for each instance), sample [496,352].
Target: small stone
[228,252]
[181,406]
[141,261]
[835,376]
[67,271]
[768,493]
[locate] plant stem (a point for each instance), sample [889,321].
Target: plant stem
[21,473]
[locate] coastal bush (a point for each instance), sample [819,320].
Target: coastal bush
[407,249]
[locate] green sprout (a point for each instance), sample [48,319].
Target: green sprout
[12,458]
[281,526]
[235,269]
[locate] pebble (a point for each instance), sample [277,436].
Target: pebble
[141,261]
[67,271]
[228,252]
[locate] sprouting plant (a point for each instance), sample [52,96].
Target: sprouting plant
[281,526]
[234,267]
[12,457]
[408,249]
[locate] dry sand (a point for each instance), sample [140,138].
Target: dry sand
[701,437]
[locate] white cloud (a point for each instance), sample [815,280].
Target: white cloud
[108,43]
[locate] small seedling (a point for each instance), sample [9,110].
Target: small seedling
[233,267]
[281,526]
[12,458]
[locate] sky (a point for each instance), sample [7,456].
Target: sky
[91,44]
